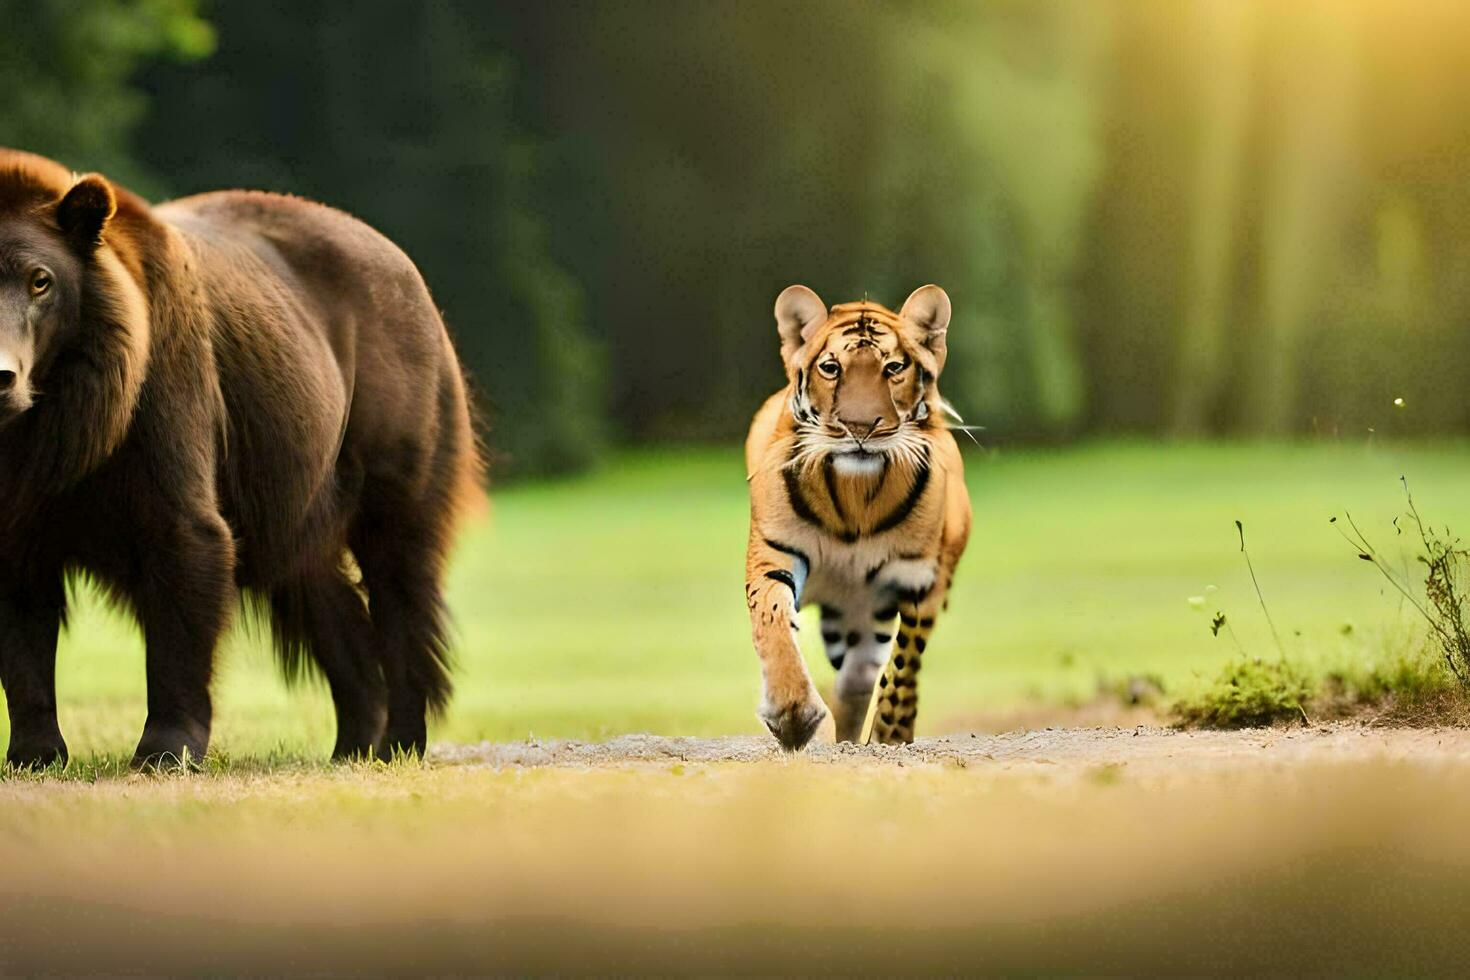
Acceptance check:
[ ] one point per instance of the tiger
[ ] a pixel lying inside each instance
(858, 504)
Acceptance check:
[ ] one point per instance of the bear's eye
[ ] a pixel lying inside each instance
(893, 367)
(40, 282)
(829, 369)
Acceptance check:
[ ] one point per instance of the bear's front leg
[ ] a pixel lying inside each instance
(184, 604)
(29, 622)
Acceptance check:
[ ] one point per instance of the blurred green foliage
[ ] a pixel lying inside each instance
(1211, 217)
(68, 73)
(403, 114)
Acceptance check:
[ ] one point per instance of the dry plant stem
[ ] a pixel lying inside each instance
(1368, 552)
(1261, 598)
(1240, 530)
(1233, 638)
(1440, 558)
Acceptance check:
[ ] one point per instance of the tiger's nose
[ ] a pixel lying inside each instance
(861, 430)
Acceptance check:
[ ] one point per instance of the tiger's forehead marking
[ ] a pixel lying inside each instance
(854, 326)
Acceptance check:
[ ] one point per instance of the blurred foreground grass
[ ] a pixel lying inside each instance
(1325, 861)
(613, 602)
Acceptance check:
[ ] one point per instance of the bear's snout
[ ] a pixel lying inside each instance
(15, 395)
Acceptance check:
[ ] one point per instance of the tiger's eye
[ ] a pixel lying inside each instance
(893, 367)
(40, 282)
(829, 368)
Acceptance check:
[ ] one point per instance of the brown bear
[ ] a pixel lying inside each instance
(234, 394)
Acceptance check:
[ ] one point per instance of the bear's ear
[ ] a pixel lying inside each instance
(799, 312)
(85, 210)
(928, 309)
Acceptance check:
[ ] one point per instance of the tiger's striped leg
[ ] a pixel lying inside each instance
(858, 637)
(790, 705)
(895, 703)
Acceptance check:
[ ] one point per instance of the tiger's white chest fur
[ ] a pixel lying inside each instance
(857, 464)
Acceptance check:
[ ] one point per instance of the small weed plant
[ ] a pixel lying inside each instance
(1446, 564)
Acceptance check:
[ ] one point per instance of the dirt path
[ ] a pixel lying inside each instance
(1148, 751)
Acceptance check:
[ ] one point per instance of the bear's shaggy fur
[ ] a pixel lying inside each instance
(232, 393)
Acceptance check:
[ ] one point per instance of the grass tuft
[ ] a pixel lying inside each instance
(1407, 687)
(1248, 693)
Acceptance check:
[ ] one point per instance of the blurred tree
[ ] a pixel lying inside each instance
(68, 69)
(403, 114)
(988, 159)
(1307, 195)
(1220, 35)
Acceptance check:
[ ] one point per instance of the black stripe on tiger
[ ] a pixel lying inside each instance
(829, 475)
(901, 513)
(784, 577)
(800, 401)
(786, 549)
(799, 504)
(802, 508)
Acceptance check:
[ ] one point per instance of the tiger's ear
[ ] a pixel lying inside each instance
(799, 312)
(927, 309)
(85, 210)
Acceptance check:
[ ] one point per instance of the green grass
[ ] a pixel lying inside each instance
(613, 602)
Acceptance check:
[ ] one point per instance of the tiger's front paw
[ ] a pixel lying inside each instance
(794, 722)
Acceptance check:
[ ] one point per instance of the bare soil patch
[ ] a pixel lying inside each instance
(1142, 749)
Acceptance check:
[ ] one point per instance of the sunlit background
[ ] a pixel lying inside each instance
(1165, 226)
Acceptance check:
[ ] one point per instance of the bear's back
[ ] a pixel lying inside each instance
(328, 347)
